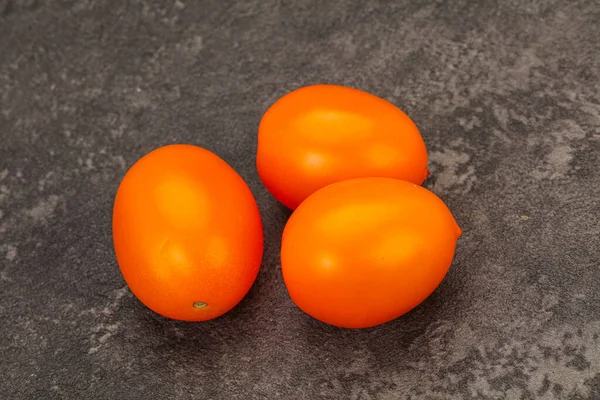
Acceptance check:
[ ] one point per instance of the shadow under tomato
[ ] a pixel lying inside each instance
(389, 346)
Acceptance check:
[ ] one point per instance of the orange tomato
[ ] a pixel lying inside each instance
(187, 233)
(362, 252)
(321, 134)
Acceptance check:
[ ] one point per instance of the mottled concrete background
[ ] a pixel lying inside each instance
(507, 95)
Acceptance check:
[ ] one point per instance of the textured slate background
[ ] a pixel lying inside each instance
(507, 97)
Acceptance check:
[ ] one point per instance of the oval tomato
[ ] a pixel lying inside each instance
(187, 233)
(362, 252)
(321, 134)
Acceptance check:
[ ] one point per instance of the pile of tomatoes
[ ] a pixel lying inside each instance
(365, 243)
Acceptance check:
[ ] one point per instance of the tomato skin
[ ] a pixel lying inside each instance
(362, 252)
(320, 134)
(187, 233)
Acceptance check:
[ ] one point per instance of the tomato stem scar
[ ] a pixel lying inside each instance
(200, 304)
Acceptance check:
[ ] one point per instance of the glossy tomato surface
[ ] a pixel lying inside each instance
(187, 233)
(362, 252)
(321, 134)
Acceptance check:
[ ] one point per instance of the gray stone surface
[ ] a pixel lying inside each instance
(507, 95)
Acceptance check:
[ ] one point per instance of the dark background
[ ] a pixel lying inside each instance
(506, 94)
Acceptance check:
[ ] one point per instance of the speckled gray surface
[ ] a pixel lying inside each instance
(507, 97)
